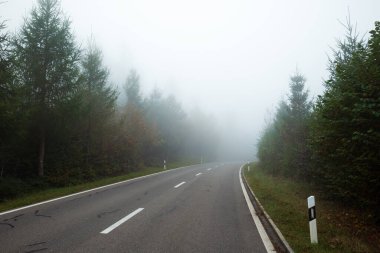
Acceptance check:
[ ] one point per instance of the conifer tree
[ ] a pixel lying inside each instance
(47, 65)
(98, 98)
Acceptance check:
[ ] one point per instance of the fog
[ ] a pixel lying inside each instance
(231, 59)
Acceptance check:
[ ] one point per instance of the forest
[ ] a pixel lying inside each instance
(63, 122)
(333, 141)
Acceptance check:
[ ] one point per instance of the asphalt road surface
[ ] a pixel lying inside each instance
(199, 208)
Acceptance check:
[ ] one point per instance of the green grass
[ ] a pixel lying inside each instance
(340, 229)
(42, 195)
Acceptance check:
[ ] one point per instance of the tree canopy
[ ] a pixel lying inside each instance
(61, 122)
(335, 141)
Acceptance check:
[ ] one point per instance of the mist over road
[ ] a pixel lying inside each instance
(199, 208)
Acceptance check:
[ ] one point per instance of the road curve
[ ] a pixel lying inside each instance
(199, 208)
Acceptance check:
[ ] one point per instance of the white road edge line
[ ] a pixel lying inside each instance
(115, 225)
(94, 189)
(178, 185)
(198, 174)
(263, 234)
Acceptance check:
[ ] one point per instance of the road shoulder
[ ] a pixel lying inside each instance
(277, 241)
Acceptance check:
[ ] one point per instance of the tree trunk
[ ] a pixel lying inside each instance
(41, 152)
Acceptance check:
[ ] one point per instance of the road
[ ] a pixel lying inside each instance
(200, 208)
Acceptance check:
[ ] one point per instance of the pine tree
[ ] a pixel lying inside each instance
(6, 89)
(137, 133)
(99, 98)
(132, 88)
(7, 93)
(47, 65)
(346, 134)
(167, 116)
(296, 152)
(283, 147)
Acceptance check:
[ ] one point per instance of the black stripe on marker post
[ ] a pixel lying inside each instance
(312, 213)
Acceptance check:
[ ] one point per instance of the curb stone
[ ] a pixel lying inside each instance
(275, 235)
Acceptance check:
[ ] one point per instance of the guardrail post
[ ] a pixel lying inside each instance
(312, 219)
(164, 164)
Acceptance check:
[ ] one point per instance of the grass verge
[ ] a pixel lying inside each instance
(42, 195)
(340, 229)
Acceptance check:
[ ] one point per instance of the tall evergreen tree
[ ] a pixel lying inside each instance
(346, 134)
(132, 88)
(167, 115)
(283, 147)
(300, 104)
(98, 97)
(7, 94)
(137, 133)
(296, 152)
(5, 76)
(47, 65)
(272, 143)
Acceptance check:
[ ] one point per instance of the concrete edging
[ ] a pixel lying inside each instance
(278, 240)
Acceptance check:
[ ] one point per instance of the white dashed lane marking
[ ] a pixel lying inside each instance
(115, 225)
(178, 185)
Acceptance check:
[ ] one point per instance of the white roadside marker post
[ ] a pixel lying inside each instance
(312, 219)
(248, 168)
(164, 164)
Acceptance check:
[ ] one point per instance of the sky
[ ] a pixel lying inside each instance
(232, 59)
